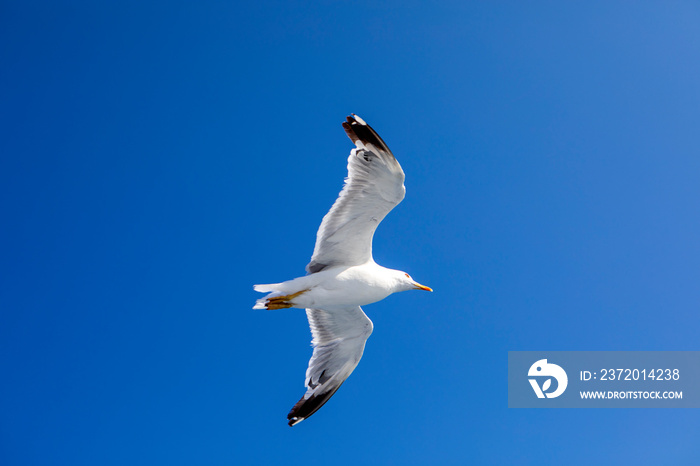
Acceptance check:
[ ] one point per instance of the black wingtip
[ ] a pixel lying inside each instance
(306, 407)
(350, 132)
(356, 129)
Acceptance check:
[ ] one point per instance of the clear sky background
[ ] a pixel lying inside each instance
(159, 158)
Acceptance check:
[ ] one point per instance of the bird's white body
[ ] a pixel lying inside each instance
(339, 288)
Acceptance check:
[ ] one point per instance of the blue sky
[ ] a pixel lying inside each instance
(159, 158)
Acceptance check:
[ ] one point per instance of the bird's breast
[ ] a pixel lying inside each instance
(351, 287)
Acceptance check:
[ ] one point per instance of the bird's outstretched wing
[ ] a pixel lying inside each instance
(373, 187)
(339, 339)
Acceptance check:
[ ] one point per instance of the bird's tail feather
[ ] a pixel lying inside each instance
(276, 299)
(270, 288)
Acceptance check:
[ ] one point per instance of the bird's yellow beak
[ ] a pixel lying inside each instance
(421, 287)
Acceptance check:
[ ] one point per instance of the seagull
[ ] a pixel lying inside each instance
(342, 275)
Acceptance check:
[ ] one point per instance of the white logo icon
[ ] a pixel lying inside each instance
(543, 369)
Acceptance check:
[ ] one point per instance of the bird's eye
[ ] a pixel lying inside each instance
(407, 275)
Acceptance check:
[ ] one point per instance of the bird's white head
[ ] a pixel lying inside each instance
(404, 282)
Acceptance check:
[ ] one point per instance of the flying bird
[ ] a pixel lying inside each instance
(342, 275)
